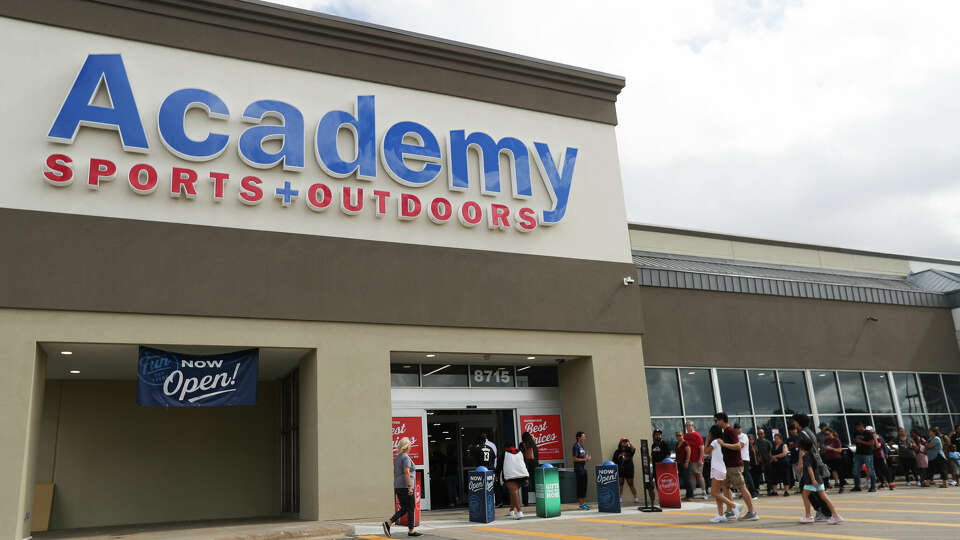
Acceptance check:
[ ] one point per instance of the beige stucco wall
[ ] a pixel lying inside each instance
(114, 462)
(744, 250)
(351, 410)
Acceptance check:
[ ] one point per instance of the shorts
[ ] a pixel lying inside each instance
(696, 468)
(734, 479)
(809, 487)
(717, 474)
(581, 475)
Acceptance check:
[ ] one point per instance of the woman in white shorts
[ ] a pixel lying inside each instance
(718, 473)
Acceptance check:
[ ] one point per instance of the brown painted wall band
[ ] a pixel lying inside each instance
(325, 44)
(83, 263)
(691, 328)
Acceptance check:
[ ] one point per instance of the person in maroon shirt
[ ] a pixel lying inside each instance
(695, 467)
(731, 446)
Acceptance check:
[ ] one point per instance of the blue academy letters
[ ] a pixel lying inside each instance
(124, 117)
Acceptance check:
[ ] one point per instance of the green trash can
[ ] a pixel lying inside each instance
(547, 482)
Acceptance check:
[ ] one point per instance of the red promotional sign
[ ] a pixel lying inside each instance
(412, 428)
(545, 429)
(668, 485)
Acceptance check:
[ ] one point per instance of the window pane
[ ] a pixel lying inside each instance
(879, 389)
(404, 375)
(908, 394)
(746, 423)
(915, 422)
(838, 424)
(664, 392)
(734, 397)
(825, 390)
(697, 391)
(537, 376)
(763, 384)
(772, 425)
(933, 393)
(852, 422)
(669, 426)
(851, 389)
(444, 376)
(794, 390)
(952, 382)
(885, 426)
(701, 425)
(491, 376)
(941, 421)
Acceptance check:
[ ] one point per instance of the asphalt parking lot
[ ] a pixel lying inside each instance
(907, 512)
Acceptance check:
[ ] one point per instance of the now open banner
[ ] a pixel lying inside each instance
(169, 379)
(546, 432)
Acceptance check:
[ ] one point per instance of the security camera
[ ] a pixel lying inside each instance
(627, 281)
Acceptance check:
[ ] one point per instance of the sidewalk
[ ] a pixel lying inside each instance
(223, 529)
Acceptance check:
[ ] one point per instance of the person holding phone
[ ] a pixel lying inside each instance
(580, 459)
(623, 457)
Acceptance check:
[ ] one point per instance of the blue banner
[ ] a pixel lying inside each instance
(480, 496)
(169, 379)
(608, 488)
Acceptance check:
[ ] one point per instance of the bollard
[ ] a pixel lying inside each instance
(548, 491)
(608, 488)
(480, 494)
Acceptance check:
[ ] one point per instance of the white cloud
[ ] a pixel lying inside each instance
(822, 122)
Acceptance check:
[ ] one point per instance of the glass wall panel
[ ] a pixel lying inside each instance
(697, 391)
(537, 376)
(663, 391)
(851, 389)
(952, 383)
(772, 424)
(669, 426)
(839, 425)
(793, 387)
(878, 389)
(916, 422)
(852, 423)
(746, 423)
(404, 375)
(444, 376)
(825, 392)
(941, 421)
(908, 393)
(766, 399)
(734, 396)
(933, 393)
(701, 425)
(885, 426)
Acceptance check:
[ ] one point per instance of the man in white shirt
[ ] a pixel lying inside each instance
(745, 455)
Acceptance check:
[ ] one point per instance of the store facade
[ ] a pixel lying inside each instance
(205, 177)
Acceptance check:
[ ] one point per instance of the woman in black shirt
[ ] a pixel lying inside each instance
(623, 457)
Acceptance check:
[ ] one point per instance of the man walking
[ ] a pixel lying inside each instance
(497, 493)
(863, 455)
(745, 456)
(764, 448)
(731, 459)
(580, 459)
(695, 469)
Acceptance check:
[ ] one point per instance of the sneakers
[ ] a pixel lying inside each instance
(731, 515)
(414, 533)
(512, 514)
(874, 490)
(786, 493)
(738, 510)
(386, 529)
(841, 489)
(584, 506)
(703, 496)
(718, 519)
(820, 517)
(856, 489)
(909, 482)
(836, 520)
(750, 516)
(807, 520)
(519, 515)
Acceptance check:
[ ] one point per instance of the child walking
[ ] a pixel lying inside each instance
(812, 482)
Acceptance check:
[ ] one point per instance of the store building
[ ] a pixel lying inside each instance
(208, 176)
(762, 329)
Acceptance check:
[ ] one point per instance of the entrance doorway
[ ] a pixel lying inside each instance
(452, 436)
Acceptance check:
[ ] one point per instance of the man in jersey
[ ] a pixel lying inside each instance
(734, 463)
(497, 495)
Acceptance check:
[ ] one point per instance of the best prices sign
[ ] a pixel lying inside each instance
(412, 428)
(545, 430)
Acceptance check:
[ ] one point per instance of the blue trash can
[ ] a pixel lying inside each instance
(480, 495)
(608, 488)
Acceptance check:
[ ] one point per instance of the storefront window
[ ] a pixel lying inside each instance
(941, 421)
(537, 376)
(766, 399)
(908, 393)
(878, 388)
(851, 389)
(697, 391)
(746, 423)
(951, 382)
(793, 387)
(669, 426)
(838, 424)
(491, 377)
(825, 392)
(916, 422)
(404, 375)
(663, 391)
(933, 393)
(444, 376)
(885, 426)
(852, 421)
(772, 425)
(735, 398)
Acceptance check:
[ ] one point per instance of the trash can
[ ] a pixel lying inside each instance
(480, 495)
(547, 480)
(608, 488)
(416, 503)
(668, 484)
(568, 485)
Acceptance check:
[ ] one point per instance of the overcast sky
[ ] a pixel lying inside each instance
(825, 122)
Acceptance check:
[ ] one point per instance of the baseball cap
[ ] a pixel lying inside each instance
(869, 428)
(658, 431)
